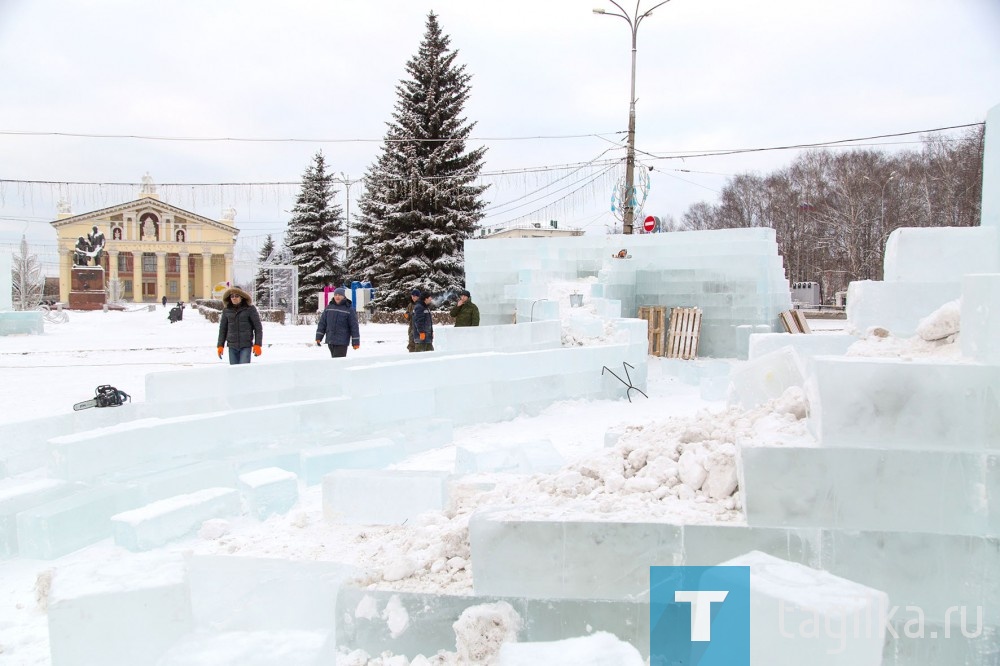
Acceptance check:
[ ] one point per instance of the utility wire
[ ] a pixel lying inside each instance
(820, 144)
(294, 140)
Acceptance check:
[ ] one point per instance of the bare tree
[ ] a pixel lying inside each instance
(833, 212)
(26, 276)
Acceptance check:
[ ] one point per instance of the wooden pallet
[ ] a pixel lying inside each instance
(794, 321)
(683, 333)
(656, 316)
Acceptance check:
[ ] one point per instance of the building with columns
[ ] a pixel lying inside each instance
(152, 249)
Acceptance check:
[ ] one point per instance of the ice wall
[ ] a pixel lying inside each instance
(6, 262)
(734, 275)
(991, 171)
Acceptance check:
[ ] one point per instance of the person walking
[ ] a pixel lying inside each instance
(339, 323)
(239, 327)
(164, 301)
(465, 312)
(423, 324)
(411, 334)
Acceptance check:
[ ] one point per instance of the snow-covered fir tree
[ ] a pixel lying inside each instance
(314, 234)
(421, 200)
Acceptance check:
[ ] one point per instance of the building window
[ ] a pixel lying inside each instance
(148, 262)
(172, 287)
(127, 287)
(123, 262)
(173, 263)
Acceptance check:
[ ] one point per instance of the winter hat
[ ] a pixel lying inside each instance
(426, 295)
(415, 292)
(340, 291)
(465, 292)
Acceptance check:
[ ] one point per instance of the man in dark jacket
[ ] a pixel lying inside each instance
(339, 322)
(239, 326)
(410, 335)
(465, 312)
(423, 324)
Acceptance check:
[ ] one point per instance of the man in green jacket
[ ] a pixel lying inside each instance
(465, 311)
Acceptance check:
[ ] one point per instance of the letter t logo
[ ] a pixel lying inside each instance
(701, 610)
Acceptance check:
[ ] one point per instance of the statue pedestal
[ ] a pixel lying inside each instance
(87, 288)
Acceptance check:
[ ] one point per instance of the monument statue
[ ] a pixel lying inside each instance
(147, 187)
(81, 253)
(91, 247)
(97, 242)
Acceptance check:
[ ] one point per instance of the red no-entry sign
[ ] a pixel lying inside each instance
(649, 223)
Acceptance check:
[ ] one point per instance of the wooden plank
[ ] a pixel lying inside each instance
(655, 317)
(788, 321)
(675, 328)
(660, 319)
(697, 333)
(800, 319)
(688, 333)
(684, 333)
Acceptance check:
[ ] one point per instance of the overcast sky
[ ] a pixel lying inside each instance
(711, 74)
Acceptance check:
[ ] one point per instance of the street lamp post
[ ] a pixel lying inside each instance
(628, 199)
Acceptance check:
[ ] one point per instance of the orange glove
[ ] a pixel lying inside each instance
(423, 336)
(219, 349)
(356, 346)
(256, 350)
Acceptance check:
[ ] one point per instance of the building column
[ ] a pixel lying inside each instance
(65, 273)
(185, 283)
(161, 275)
(206, 275)
(136, 277)
(229, 269)
(114, 287)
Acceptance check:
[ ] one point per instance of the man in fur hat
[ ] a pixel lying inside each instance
(239, 326)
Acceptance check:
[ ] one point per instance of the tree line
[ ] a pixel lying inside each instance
(833, 212)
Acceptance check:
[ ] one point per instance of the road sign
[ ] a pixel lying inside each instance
(650, 223)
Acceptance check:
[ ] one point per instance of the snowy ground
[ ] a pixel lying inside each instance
(667, 438)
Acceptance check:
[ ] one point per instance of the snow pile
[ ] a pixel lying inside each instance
(482, 630)
(681, 470)
(487, 635)
(941, 324)
(936, 338)
(570, 317)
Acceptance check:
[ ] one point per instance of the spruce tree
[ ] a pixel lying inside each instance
(261, 284)
(421, 200)
(314, 233)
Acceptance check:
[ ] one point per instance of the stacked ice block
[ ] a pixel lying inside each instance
(735, 276)
(199, 429)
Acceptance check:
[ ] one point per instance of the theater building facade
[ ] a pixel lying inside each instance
(151, 249)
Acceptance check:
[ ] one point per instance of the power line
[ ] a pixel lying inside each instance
(597, 135)
(820, 144)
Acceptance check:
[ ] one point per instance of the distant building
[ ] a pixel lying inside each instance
(152, 249)
(533, 230)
